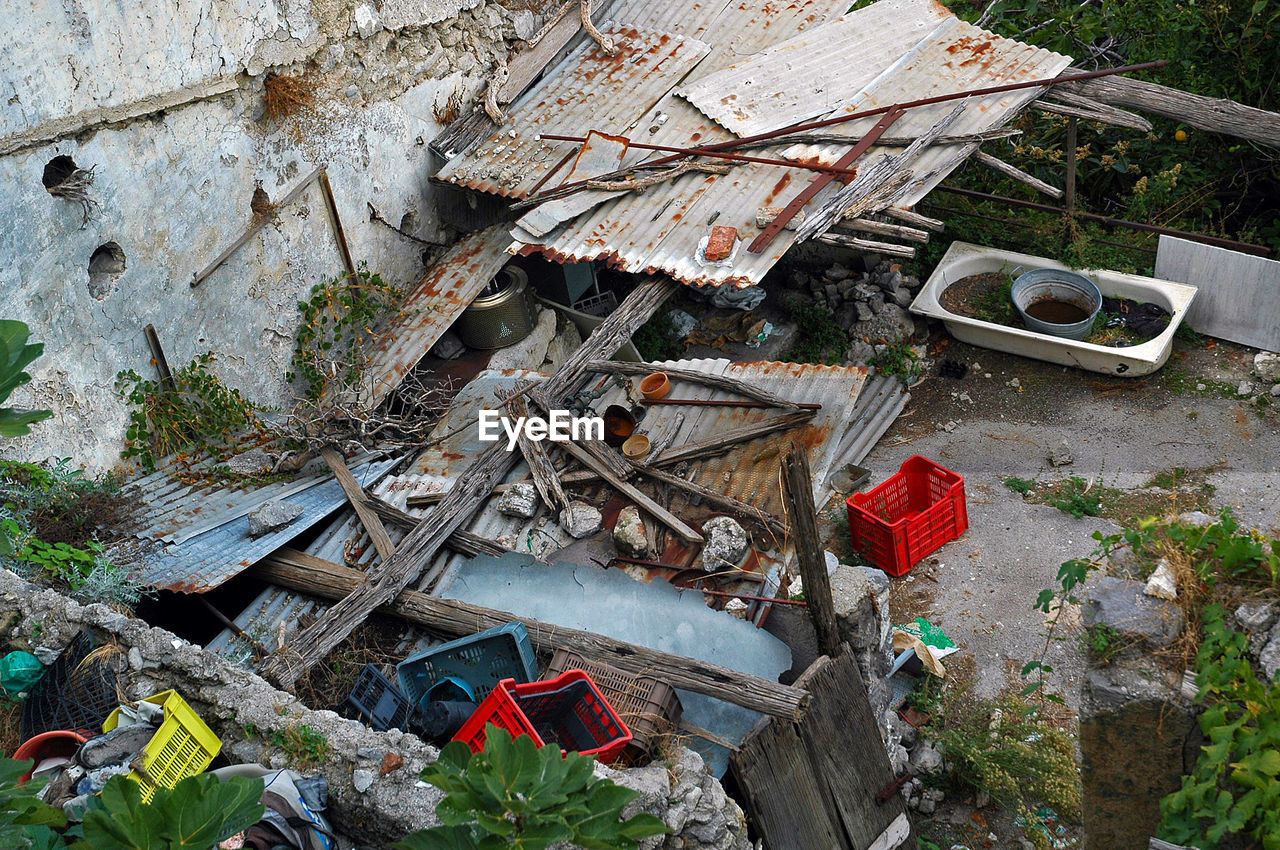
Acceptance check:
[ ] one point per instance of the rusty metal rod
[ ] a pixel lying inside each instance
(1014, 223)
(705, 150)
(1116, 222)
(748, 598)
(736, 157)
(707, 402)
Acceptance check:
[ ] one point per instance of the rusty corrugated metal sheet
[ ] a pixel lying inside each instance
(428, 310)
(588, 91)
(813, 73)
(659, 231)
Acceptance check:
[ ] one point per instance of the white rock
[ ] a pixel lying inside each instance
(362, 779)
(520, 501)
(272, 515)
(1275, 391)
(1244, 389)
(736, 608)
(726, 544)
(1266, 365)
(580, 519)
(368, 22)
(1060, 455)
(1162, 583)
(629, 534)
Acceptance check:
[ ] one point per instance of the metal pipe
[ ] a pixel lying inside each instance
(157, 354)
(684, 152)
(1014, 223)
(1247, 248)
(706, 402)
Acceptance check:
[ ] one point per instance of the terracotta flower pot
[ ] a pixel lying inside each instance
(655, 386)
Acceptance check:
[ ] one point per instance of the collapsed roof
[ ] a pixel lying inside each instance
(695, 75)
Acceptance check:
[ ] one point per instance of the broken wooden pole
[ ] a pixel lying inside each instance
(461, 541)
(450, 617)
(857, 244)
(544, 472)
(355, 495)
(720, 382)
(387, 578)
(915, 218)
(1069, 201)
(1015, 173)
(797, 491)
(881, 228)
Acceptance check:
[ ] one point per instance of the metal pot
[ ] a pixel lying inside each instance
(502, 315)
(1069, 291)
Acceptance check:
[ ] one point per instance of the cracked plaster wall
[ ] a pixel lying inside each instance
(173, 188)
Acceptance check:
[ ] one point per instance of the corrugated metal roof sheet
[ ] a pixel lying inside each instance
(428, 310)
(588, 91)
(205, 560)
(660, 230)
(822, 68)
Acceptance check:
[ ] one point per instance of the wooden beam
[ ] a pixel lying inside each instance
(544, 472)
(461, 541)
(910, 217)
(881, 228)
(1069, 201)
(866, 245)
(355, 495)
(719, 382)
(1091, 110)
(1015, 173)
(315, 576)
(388, 577)
(797, 491)
(1204, 113)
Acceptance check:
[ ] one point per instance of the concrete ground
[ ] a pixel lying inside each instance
(982, 587)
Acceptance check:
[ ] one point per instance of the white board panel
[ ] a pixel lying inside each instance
(1239, 297)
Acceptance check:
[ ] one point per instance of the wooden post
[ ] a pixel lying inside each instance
(544, 471)
(797, 490)
(327, 580)
(1069, 200)
(384, 581)
(355, 495)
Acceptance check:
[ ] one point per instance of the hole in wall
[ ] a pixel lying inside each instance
(57, 171)
(105, 265)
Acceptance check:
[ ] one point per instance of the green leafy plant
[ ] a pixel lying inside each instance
(305, 745)
(1077, 499)
(898, 359)
(995, 304)
(195, 814)
(1021, 486)
(819, 337)
(16, 354)
(195, 414)
(515, 794)
(24, 819)
(1102, 643)
(341, 316)
(656, 339)
(1234, 789)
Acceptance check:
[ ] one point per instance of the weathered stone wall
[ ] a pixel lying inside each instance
(364, 802)
(125, 88)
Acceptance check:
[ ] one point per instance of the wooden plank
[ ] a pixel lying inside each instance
(866, 245)
(842, 738)
(783, 795)
(544, 472)
(461, 541)
(1091, 110)
(1016, 173)
(881, 228)
(1204, 113)
(797, 494)
(327, 580)
(720, 500)
(384, 581)
(915, 218)
(719, 382)
(894, 834)
(1237, 298)
(356, 496)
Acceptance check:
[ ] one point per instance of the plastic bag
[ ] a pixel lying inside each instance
(19, 671)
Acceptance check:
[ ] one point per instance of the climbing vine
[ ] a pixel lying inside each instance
(195, 414)
(337, 320)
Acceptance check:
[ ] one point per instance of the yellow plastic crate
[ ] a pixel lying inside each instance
(183, 746)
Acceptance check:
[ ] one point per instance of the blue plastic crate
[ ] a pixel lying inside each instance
(481, 660)
(378, 702)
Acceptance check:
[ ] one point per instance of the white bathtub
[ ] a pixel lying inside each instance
(963, 259)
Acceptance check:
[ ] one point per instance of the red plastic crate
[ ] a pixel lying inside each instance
(909, 515)
(568, 710)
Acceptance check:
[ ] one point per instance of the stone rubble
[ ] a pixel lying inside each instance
(869, 303)
(271, 515)
(726, 545)
(521, 500)
(629, 534)
(580, 519)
